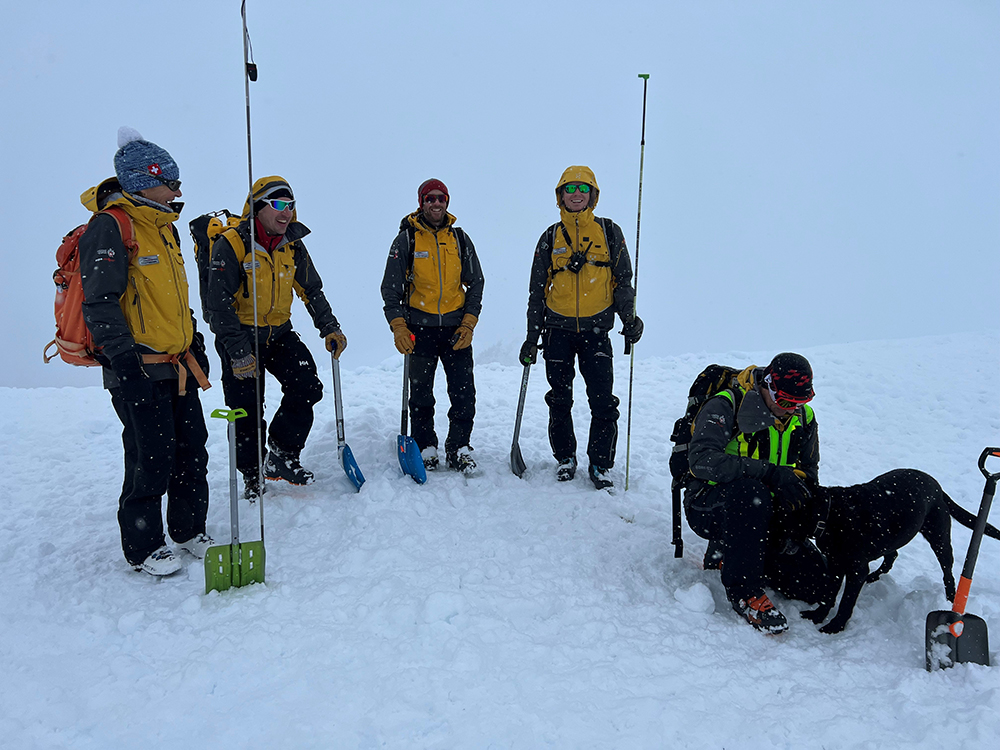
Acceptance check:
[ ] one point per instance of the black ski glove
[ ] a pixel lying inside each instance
(133, 382)
(632, 331)
(529, 352)
(787, 486)
(198, 350)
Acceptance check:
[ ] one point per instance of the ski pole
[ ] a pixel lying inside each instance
(250, 74)
(635, 280)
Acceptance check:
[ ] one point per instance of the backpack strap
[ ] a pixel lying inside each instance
(239, 246)
(125, 228)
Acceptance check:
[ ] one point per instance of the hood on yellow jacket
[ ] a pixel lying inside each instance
(97, 197)
(578, 174)
(263, 187)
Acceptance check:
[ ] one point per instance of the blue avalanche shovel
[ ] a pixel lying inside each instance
(351, 467)
(234, 564)
(407, 451)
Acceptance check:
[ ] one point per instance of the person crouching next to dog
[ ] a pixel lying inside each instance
(282, 265)
(754, 449)
(136, 307)
(432, 291)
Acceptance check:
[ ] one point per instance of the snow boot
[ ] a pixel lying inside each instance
(251, 487)
(461, 460)
(566, 469)
(601, 477)
(285, 467)
(162, 562)
(197, 545)
(430, 457)
(759, 612)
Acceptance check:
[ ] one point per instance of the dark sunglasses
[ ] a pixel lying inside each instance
(280, 204)
(174, 185)
(435, 199)
(573, 188)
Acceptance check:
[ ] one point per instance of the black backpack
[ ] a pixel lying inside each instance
(204, 230)
(712, 380)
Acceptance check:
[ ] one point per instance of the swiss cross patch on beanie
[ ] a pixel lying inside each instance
(138, 162)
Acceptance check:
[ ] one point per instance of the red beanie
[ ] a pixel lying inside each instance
(427, 186)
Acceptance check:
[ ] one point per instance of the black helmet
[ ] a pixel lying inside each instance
(790, 378)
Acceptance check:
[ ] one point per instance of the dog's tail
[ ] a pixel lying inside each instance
(965, 518)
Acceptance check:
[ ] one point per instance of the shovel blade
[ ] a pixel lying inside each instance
(517, 464)
(351, 467)
(410, 460)
(218, 568)
(956, 639)
(227, 566)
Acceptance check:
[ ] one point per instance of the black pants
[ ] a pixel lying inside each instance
(593, 350)
(292, 365)
(430, 345)
(756, 546)
(164, 444)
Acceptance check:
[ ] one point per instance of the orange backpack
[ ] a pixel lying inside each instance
(73, 341)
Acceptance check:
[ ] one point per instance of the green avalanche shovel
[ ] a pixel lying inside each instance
(234, 564)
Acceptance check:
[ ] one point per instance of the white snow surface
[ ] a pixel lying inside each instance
(491, 611)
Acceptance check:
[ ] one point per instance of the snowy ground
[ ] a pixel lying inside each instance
(488, 612)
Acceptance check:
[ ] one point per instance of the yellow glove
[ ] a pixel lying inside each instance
(404, 339)
(464, 332)
(336, 342)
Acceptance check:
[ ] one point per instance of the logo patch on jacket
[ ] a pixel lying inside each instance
(149, 260)
(251, 264)
(422, 254)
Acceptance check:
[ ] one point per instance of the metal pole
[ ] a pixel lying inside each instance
(250, 74)
(635, 280)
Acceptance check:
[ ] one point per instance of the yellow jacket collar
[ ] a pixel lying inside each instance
(416, 221)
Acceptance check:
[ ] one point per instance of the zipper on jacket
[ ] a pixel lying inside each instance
(137, 304)
(437, 244)
(177, 288)
(576, 221)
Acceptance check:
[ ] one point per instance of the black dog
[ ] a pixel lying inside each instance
(873, 520)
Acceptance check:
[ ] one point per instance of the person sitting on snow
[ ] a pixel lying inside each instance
(753, 449)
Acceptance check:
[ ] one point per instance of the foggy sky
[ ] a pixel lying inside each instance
(814, 172)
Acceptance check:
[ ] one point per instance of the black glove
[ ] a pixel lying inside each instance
(787, 486)
(198, 350)
(529, 352)
(632, 331)
(133, 382)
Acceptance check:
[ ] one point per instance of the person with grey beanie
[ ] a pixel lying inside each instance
(136, 307)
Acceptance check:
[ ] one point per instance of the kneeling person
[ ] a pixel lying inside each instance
(753, 448)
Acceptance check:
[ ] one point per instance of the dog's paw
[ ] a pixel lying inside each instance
(833, 627)
(815, 615)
